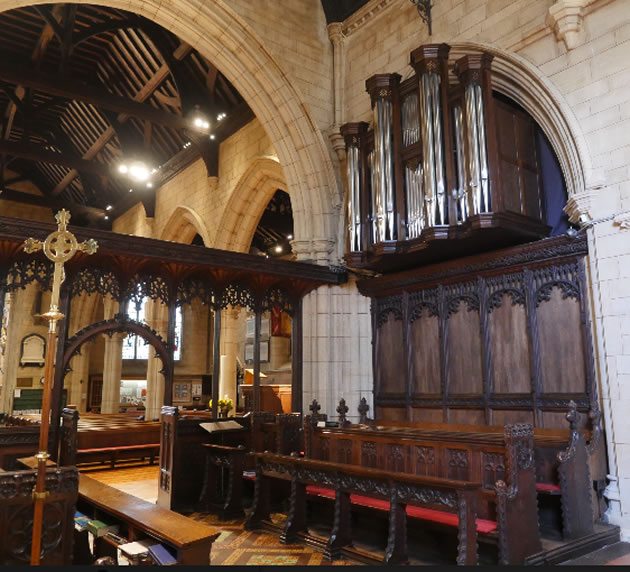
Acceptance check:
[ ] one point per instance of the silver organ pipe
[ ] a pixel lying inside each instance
(459, 194)
(479, 195)
(374, 197)
(383, 170)
(354, 197)
(414, 195)
(432, 150)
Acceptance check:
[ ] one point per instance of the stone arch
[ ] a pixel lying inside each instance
(514, 76)
(225, 38)
(247, 202)
(183, 225)
(73, 346)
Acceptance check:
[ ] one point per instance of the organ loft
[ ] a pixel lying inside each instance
(300, 283)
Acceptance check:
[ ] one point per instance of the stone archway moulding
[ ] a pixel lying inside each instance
(247, 202)
(183, 225)
(523, 82)
(222, 36)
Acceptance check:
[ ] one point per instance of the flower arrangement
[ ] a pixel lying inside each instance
(225, 405)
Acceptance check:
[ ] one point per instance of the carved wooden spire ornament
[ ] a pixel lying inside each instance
(59, 246)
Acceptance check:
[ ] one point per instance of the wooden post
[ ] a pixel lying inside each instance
(256, 387)
(297, 379)
(216, 361)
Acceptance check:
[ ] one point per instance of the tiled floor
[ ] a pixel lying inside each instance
(237, 546)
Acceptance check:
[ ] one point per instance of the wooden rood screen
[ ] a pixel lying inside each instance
(492, 339)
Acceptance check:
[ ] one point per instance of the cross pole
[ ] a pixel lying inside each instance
(59, 246)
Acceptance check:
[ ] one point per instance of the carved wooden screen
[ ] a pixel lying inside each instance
(493, 339)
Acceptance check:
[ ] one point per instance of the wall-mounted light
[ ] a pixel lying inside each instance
(424, 9)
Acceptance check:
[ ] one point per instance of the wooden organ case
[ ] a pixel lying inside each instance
(437, 177)
(478, 317)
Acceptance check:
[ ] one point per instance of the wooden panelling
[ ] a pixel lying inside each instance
(561, 344)
(510, 347)
(424, 343)
(464, 360)
(494, 340)
(390, 359)
(427, 415)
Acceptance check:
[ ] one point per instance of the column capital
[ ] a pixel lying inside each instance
(428, 58)
(580, 207)
(335, 33)
(382, 85)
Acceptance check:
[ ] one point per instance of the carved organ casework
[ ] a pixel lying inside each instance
(434, 176)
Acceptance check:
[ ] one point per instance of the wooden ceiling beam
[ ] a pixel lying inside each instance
(49, 202)
(160, 75)
(76, 91)
(39, 154)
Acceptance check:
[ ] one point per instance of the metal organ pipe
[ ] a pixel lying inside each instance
(383, 170)
(432, 150)
(479, 195)
(459, 194)
(354, 197)
(414, 195)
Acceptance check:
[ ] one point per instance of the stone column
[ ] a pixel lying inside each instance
(11, 355)
(229, 351)
(157, 318)
(112, 372)
(335, 33)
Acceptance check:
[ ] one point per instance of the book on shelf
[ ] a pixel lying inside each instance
(100, 528)
(162, 555)
(132, 553)
(80, 521)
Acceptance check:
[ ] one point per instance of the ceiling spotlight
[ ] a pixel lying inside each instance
(106, 217)
(266, 256)
(131, 190)
(278, 248)
(109, 207)
(198, 120)
(290, 236)
(211, 136)
(123, 169)
(149, 185)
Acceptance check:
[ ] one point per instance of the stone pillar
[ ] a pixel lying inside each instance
(335, 33)
(10, 356)
(112, 372)
(157, 318)
(229, 351)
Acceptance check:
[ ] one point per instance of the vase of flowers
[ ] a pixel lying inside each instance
(225, 406)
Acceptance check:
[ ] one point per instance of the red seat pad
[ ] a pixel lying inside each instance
(483, 526)
(547, 487)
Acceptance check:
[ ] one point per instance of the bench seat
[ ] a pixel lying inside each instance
(547, 488)
(483, 526)
(120, 452)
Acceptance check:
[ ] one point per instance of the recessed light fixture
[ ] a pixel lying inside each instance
(106, 217)
(149, 185)
(109, 207)
(131, 190)
(211, 136)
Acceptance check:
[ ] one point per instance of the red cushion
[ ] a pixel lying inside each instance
(483, 525)
(320, 491)
(547, 487)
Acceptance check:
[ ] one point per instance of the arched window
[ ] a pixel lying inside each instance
(135, 347)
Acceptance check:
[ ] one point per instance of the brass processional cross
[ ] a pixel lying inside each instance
(59, 246)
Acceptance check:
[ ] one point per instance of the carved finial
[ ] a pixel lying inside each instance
(314, 407)
(573, 417)
(363, 409)
(62, 218)
(342, 409)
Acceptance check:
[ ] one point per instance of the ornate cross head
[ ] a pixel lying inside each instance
(342, 409)
(314, 407)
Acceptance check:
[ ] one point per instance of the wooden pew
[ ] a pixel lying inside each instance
(191, 540)
(398, 490)
(561, 458)
(451, 452)
(219, 457)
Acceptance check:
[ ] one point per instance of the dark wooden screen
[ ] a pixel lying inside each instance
(493, 339)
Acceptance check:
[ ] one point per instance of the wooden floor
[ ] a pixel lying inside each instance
(237, 546)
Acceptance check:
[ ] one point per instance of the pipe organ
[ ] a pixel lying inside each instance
(426, 179)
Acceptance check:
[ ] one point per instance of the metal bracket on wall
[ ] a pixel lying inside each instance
(424, 9)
